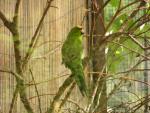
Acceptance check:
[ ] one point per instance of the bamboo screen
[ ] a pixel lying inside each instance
(46, 60)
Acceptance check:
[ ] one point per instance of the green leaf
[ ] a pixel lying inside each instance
(118, 22)
(114, 57)
(114, 3)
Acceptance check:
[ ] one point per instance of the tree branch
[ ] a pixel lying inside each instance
(20, 87)
(6, 22)
(34, 37)
(15, 18)
(37, 92)
(55, 103)
(15, 94)
(12, 73)
(67, 95)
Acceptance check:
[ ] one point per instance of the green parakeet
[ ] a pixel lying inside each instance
(72, 51)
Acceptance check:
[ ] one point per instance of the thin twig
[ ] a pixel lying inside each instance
(143, 32)
(116, 87)
(132, 68)
(34, 38)
(76, 104)
(95, 92)
(45, 81)
(37, 92)
(41, 95)
(136, 41)
(15, 95)
(12, 73)
(145, 57)
(132, 15)
(115, 15)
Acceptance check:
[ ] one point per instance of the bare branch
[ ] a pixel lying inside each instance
(145, 57)
(15, 95)
(6, 22)
(55, 103)
(114, 17)
(12, 73)
(37, 92)
(136, 41)
(35, 38)
(15, 19)
(67, 95)
(132, 15)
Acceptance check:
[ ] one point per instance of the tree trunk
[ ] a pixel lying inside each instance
(99, 61)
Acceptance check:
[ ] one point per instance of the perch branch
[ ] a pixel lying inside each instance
(67, 95)
(55, 103)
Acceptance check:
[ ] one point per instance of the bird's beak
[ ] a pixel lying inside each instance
(82, 32)
(79, 26)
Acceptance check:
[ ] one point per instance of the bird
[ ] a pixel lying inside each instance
(72, 50)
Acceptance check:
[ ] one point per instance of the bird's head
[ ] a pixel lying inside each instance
(78, 30)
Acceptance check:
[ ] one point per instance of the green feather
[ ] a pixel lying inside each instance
(72, 51)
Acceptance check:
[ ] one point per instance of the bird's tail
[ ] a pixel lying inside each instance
(80, 81)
